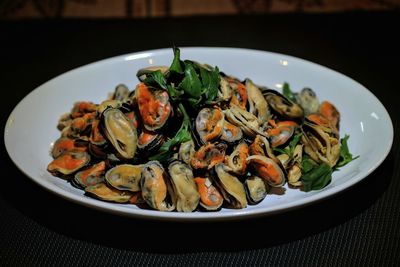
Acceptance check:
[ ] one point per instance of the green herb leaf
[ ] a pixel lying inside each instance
(156, 79)
(287, 92)
(173, 92)
(345, 155)
(183, 135)
(307, 163)
(177, 65)
(210, 81)
(317, 178)
(191, 83)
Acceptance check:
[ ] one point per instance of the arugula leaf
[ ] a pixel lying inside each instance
(191, 84)
(345, 155)
(317, 178)
(210, 81)
(287, 92)
(156, 79)
(307, 163)
(173, 92)
(166, 150)
(177, 65)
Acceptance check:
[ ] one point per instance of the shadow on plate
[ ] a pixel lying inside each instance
(89, 225)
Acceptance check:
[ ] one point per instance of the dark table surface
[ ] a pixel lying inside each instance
(357, 226)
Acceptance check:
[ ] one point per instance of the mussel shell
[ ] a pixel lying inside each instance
(156, 188)
(91, 175)
(237, 160)
(65, 144)
(258, 104)
(125, 177)
(207, 156)
(281, 105)
(68, 163)
(187, 197)
(231, 188)
(256, 189)
(149, 141)
(107, 193)
(120, 132)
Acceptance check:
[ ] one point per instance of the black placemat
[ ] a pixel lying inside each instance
(357, 226)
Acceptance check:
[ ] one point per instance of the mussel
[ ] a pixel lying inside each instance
(209, 124)
(156, 188)
(125, 177)
(81, 108)
(121, 93)
(308, 100)
(321, 143)
(231, 188)
(279, 133)
(258, 104)
(256, 189)
(64, 144)
(210, 197)
(267, 169)
(149, 141)
(231, 133)
(154, 106)
(187, 197)
(91, 175)
(237, 160)
(120, 132)
(248, 122)
(209, 155)
(186, 151)
(330, 112)
(106, 193)
(68, 163)
(142, 73)
(281, 105)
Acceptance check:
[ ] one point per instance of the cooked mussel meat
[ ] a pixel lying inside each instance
(210, 197)
(156, 188)
(120, 132)
(125, 177)
(231, 188)
(187, 197)
(154, 106)
(258, 104)
(231, 133)
(64, 144)
(91, 175)
(186, 151)
(209, 124)
(267, 169)
(209, 155)
(308, 101)
(237, 160)
(68, 163)
(256, 189)
(107, 193)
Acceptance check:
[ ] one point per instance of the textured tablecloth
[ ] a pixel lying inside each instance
(359, 226)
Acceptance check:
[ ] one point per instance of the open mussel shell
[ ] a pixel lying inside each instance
(96, 136)
(256, 189)
(120, 132)
(91, 175)
(231, 188)
(154, 106)
(210, 198)
(125, 177)
(330, 112)
(107, 193)
(68, 163)
(187, 196)
(209, 124)
(281, 133)
(267, 169)
(247, 121)
(283, 106)
(157, 190)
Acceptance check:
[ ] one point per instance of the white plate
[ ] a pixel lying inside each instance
(31, 127)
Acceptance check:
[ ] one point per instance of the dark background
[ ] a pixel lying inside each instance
(357, 226)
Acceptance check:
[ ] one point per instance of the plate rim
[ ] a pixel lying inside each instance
(198, 216)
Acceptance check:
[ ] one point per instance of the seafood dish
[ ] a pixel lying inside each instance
(189, 137)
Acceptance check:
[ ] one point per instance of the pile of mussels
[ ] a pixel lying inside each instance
(150, 147)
